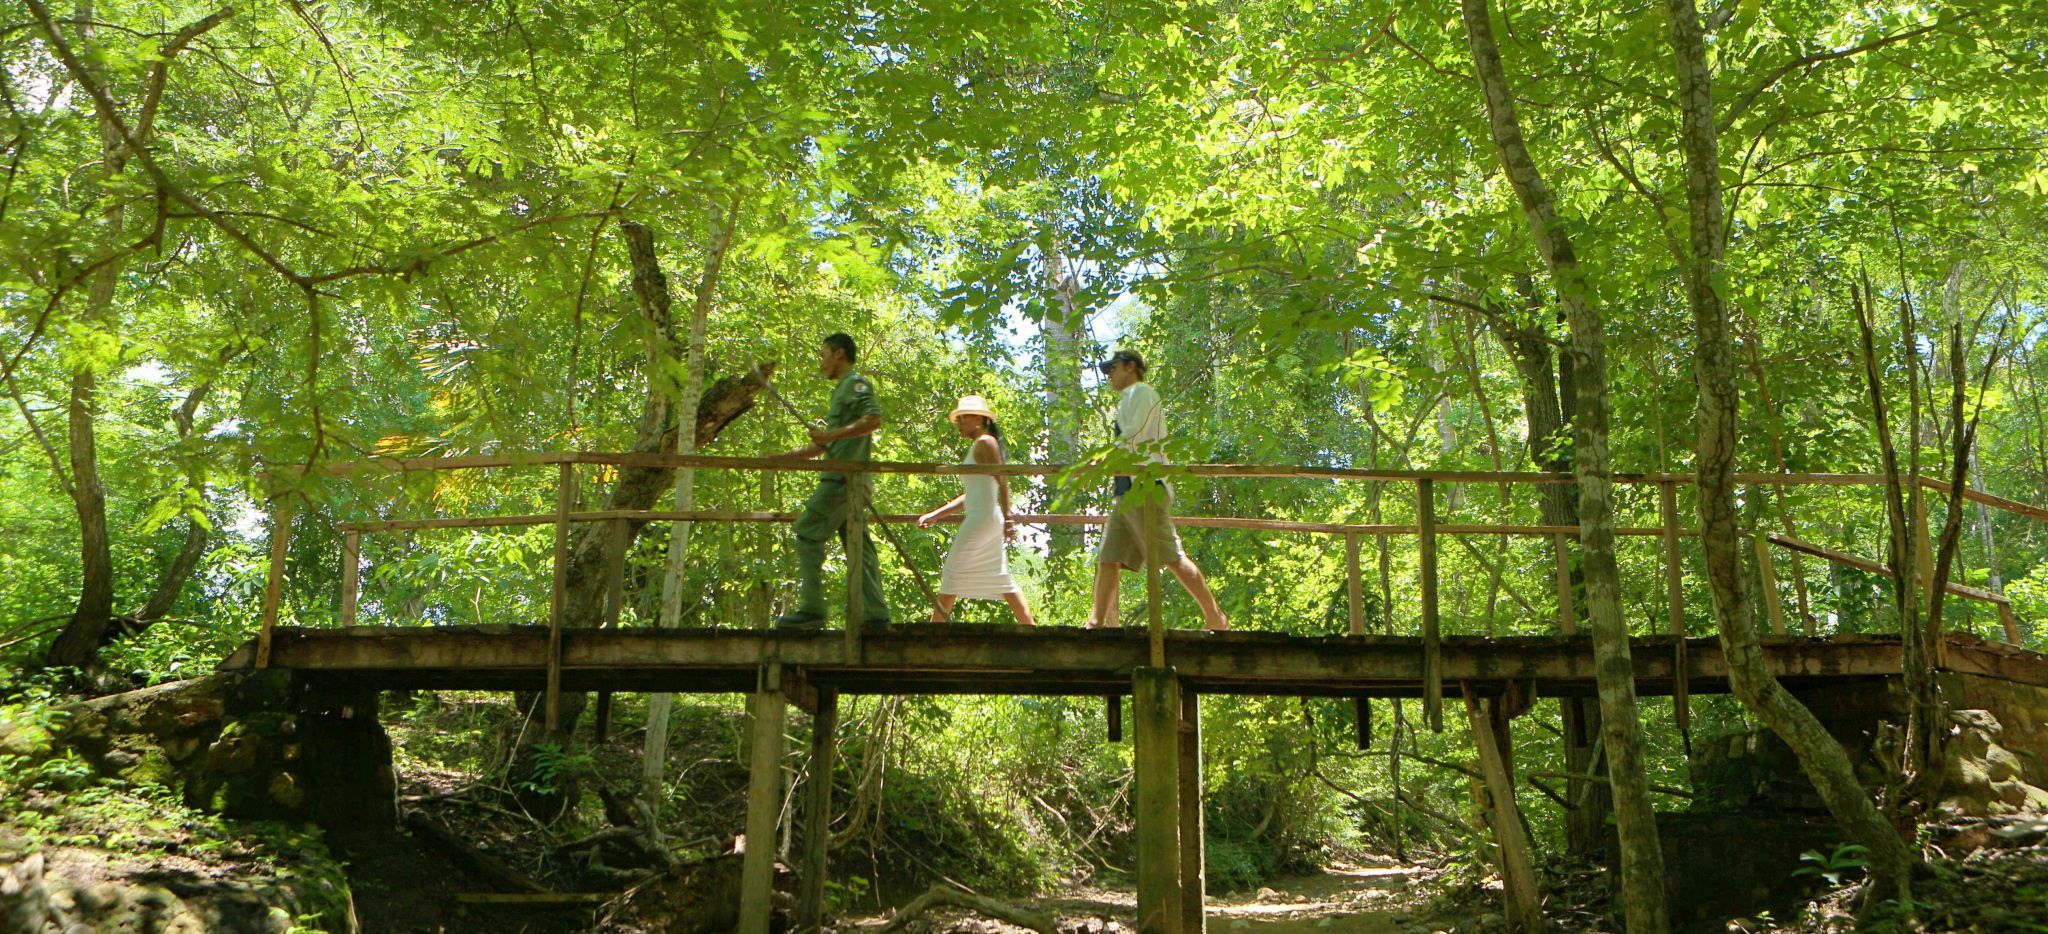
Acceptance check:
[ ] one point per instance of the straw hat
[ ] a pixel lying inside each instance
(971, 404)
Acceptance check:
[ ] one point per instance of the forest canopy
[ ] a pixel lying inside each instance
(245, 242)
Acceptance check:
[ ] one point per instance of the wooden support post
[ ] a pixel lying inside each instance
(1155, 701)
(1354, 588)
(1363, 706)
(273, 576)
(1674, 606)
(2011, 624)
(1193, 882)
(1113, 710)
(1518, 876)
(565, 500)
(1766, 570)
(765, 710)
(856, 533)
(1567, 604)
(817, 822)
(351, 576)
(1432, 644)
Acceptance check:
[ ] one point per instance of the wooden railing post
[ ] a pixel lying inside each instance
(1155, 612)
(1767, 571)
(615, 580)
(273, 578)
(1354, 588)
(351, 576)
(1567, 605)
(1432, 644)
(1674, 603)
(565, 499)
(856, 556)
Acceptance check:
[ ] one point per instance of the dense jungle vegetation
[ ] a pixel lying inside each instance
(1805, 237)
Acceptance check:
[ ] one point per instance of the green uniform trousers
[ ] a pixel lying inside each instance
(824, 516)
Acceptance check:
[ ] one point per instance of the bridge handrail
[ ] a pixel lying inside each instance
(1426, 527)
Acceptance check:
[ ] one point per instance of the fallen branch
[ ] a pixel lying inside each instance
(1569, 776)
(471, 858)
(1550, 793)
(940, 896)
(533, 898)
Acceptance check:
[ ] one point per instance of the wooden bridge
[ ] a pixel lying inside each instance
(1164, 671)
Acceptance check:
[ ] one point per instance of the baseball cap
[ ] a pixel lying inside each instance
(1121, 356)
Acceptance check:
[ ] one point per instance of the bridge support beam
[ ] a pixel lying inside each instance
(765, 713)
(1193, 884)
(1156, 706)
(1490, 737)
(817, 819)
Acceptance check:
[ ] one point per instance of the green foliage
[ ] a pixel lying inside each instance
(1836, 866)
(554, 768)
(390, 227)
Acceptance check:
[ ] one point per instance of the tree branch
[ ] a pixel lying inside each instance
(1742, 104)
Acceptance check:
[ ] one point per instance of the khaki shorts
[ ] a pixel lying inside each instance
(1125, 538)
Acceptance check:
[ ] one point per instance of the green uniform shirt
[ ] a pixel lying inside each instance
(852, 399)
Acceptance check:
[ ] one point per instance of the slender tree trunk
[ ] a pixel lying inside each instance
(1642, 860)
(1545, 387)
(718, 236)
(172, 583)
(1063, 330)
(1824, 760)
(79, 644)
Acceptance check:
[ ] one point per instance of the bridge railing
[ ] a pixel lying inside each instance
(1425, 529)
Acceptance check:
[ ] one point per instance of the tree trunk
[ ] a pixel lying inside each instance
(1544, 390)
(593, 549)
(172, 583)
(1063, 329)
(1642, 860)
(1823, 759)
(78, 646)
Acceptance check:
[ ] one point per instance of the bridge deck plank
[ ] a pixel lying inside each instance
(977, 659)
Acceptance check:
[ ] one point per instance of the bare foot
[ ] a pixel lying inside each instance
(1091, 624)
(1219, 624)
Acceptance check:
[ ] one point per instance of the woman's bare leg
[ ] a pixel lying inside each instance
(943, 613)
(1018, 608)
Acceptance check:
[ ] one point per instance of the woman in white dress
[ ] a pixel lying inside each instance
(978, 567)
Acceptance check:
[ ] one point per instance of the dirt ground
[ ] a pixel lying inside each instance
(1369, 897)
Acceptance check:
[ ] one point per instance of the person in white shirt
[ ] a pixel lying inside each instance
(1139, 520)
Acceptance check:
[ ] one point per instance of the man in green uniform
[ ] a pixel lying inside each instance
(850, 424)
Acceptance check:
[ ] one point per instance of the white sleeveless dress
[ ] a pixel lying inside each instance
(978, 567)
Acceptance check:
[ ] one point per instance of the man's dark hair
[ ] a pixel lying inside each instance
(844, 342)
